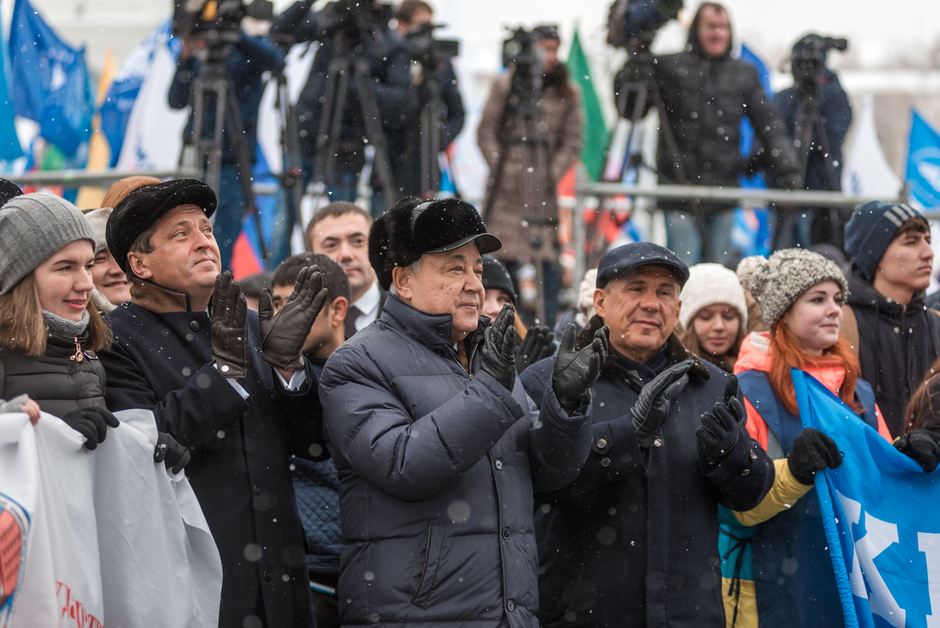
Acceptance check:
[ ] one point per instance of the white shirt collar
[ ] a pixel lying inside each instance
(368, 304)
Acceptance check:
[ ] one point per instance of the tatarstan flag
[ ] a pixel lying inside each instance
(595, 129)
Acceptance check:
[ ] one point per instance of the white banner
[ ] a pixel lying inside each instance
(103, 537)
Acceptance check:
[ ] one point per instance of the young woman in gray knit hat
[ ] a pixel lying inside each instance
(801, 294)
(49, 329)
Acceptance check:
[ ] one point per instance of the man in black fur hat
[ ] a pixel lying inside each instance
(229, 384)
(437, 447)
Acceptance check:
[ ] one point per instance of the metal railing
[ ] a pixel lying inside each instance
(786, 201)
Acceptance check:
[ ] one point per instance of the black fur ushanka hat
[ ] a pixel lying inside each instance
(414, 227)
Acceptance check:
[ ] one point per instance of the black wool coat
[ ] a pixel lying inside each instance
(241, 448)
(633, 541)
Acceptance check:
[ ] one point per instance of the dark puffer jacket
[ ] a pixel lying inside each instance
(56, 380)
(897, 345)
(705, 100)
(633, 542)
(316, 488)
(437, 467)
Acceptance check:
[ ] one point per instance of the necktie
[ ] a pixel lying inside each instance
(352, 314)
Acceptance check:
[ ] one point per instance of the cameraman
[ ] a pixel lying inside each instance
(247, 60)
(813, 80)
(501, 130)
(706, 93)
(371, 39)
(411, 17)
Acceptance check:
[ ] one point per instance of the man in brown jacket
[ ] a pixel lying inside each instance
(519, 201)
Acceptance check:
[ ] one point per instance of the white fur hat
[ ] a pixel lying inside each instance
(710, 284)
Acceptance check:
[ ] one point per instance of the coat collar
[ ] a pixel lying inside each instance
(428, 329)
(675, 350)
(156, 298)
(862, 294)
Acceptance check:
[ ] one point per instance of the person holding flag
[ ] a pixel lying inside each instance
(801, 294)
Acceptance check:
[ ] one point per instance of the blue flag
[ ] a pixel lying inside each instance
(923, 162)
(881, 514)
(52, 81)
(121, 96)
(10, 148)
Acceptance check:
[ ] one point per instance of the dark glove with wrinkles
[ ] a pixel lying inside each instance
(537, 345)
(812, 451)
(922, 446)
(92, 423)
(170, 452)
(283, 334)
(652, 406)
(497, 355)
(574, 372)
(229, 312)
(721, 427)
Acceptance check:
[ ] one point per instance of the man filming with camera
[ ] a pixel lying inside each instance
(359, 29)
(530, 134)
(245, 59)
(436, 84)
(705, 93)
(817, 113)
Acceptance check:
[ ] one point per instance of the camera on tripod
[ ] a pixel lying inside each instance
(353, 18)
(216, 21)
(809, 58)
(632, 24)
(519, 50)
(427, 50)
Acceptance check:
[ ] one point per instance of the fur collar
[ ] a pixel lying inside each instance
(675, 350)
(155, 298)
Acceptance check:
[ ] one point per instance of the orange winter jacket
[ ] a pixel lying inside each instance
(755, 355)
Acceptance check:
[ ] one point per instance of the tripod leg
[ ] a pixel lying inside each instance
(370, 114)
(245, 169)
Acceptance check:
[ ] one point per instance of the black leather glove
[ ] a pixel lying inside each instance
(812, 451)
(721, 427)
(922, 446)
(537, 345)
(92, 423)
(652, 406)
(497, 355)
(283, 334)
(229, 312)
(574, 372)
(170, 452)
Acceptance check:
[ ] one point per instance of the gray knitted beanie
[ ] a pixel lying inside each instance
(777, 282)
(32, 228)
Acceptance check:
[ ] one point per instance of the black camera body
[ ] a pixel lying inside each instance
(216, 21)
(809, 58)
(519, 50)
(353, 18)
(428, 51)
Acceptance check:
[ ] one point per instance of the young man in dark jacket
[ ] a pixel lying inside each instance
(437, 446)
(228, 384)
(706, 94)
(897, 338)
(633, 541)
(315, 483)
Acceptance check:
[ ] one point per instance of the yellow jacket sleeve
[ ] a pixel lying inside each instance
(785, 491)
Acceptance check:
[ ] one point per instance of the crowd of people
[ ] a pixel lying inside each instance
(376, 436)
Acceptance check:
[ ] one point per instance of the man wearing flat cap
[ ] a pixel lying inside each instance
(633, 541)
(437, 447)
(229, 384)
